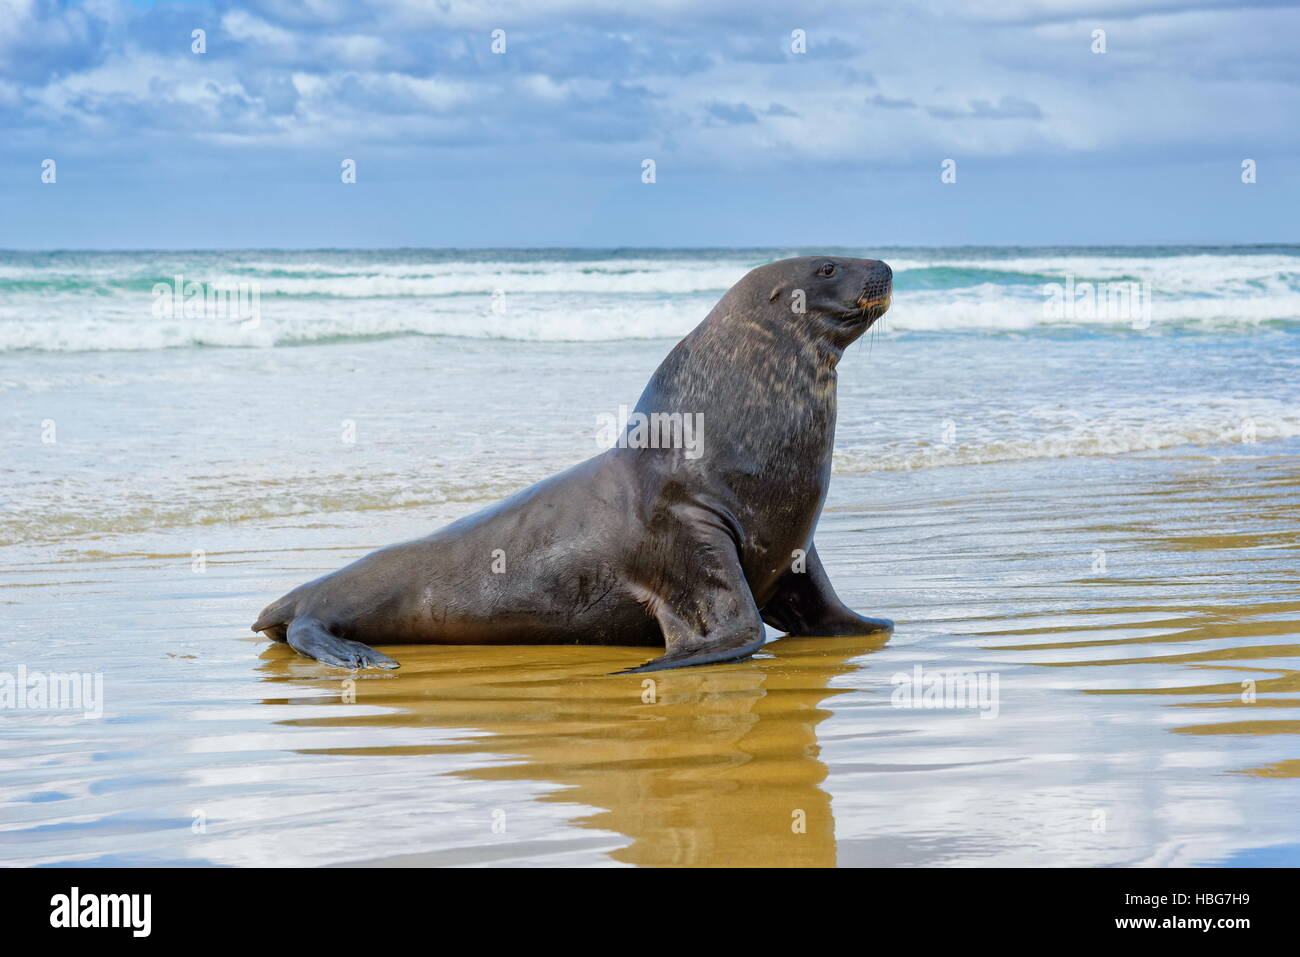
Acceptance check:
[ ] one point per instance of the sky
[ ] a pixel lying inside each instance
(757, 138)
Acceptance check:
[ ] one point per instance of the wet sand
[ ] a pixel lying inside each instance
(1121, 736)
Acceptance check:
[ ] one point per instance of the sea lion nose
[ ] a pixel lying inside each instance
(883, 272)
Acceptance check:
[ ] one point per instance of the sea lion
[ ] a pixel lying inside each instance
(644, 545)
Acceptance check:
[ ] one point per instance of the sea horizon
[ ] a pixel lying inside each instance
(435, 247)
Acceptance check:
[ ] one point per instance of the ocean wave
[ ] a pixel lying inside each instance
(994, 308)
(91, 514)
(103, 302)
(304, 325)
(380, 280)
(1199, 274)
(84, 506)
(1230, 424)
(612, 320)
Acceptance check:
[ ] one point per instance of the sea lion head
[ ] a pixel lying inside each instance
(835, 298)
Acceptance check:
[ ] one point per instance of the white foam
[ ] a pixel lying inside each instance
(557, 299)
(994, 308)
(1222, 422)
(301, 323)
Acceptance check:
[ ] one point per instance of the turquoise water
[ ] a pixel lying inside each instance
(82, 301)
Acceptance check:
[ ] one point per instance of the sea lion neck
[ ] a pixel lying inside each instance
(770, 391)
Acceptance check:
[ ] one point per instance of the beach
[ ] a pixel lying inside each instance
(1092, 517)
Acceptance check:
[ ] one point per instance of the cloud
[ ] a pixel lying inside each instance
(731, 113)
(886, 103)
(588, 81)
(41, 39)
(1007, 108)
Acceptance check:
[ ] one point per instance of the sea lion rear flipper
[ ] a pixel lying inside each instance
(708, 615)
(805, 603)
(310, 637)
(275, 617)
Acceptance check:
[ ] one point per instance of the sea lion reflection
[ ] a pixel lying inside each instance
(714, 766)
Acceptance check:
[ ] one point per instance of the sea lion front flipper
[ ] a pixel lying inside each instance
(805, 603)
(707, 613)
(710, 652)
(310, 637)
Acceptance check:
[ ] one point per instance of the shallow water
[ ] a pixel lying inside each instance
(1120, 735)
(1070, 511)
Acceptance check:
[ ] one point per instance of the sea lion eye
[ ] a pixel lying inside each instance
(828, 269)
